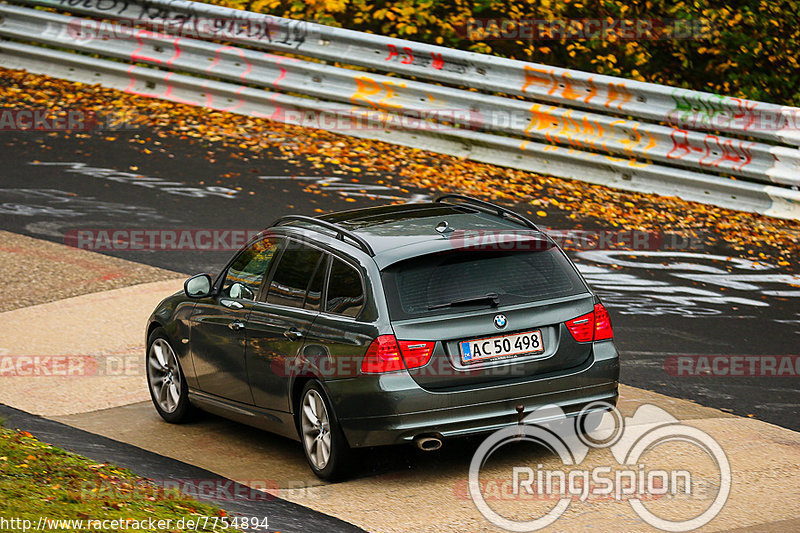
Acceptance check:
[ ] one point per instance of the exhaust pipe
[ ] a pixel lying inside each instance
(428, 443)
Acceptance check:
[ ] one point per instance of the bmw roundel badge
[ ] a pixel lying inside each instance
(500, 321)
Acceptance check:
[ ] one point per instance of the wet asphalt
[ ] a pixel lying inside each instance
(691, 320)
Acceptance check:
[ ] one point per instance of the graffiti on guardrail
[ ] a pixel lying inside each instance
(407, 56)
(558, 82)
(229, 29)
(570, 143)
(246, 26)
(713, 153)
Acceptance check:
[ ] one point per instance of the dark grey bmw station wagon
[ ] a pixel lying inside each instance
(386, 325)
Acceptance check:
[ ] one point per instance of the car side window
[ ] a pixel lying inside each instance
(345, 291)
(293, 275)
(245, 274)
(314, 296)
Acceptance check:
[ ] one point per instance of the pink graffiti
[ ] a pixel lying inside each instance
(728, 153)
(745, 111)
(736, 156)
(278, 114)
(169, 96)
(238, 51)
(681, 145)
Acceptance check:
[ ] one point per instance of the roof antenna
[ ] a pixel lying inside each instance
(444, 229)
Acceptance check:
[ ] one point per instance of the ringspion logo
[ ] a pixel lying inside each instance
(637, 477)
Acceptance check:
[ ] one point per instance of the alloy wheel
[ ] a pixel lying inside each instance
(316, 429)
(165, 375)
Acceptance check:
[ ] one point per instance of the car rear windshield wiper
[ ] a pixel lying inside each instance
(491, 298)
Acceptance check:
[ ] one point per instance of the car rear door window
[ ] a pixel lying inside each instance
(345, 290)
(245, 274)
(314, 295)
(292, 277)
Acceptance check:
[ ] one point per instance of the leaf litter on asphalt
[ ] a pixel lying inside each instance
(757, 237)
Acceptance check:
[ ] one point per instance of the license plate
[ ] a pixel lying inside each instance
(529, 342)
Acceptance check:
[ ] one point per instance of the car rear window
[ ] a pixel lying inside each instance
(415, 285)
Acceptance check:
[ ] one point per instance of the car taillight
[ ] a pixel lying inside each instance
(591, 326)
(416, 353)
(383, 355)
(582, 328)
(386, 354)
(602, 324)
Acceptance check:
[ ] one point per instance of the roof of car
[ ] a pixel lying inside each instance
(398, 232)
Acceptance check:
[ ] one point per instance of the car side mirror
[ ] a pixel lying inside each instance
(198, 286)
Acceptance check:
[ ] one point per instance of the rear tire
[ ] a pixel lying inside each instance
(166, 380)
(323, 441)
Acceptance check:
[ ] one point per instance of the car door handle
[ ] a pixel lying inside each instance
(293, 334)
(236, 325)
(233, 304)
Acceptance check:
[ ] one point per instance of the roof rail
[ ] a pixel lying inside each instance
(501, 212)
(341, 233)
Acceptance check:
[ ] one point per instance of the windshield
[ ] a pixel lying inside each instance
(438, 283)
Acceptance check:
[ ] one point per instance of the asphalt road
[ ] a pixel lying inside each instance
(671, 304)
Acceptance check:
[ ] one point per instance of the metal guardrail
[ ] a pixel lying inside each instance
(601, 148)
(571, 128)
(541, 82)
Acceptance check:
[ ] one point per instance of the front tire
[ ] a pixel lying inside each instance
(165, 379)
(324, 444)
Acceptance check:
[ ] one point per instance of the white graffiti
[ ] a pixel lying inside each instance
(129, 178)
(366, 190)
(28, 210)
(36, 202)
(794, 321)
(631, 294)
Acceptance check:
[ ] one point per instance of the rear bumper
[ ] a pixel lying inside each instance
(393, 408)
